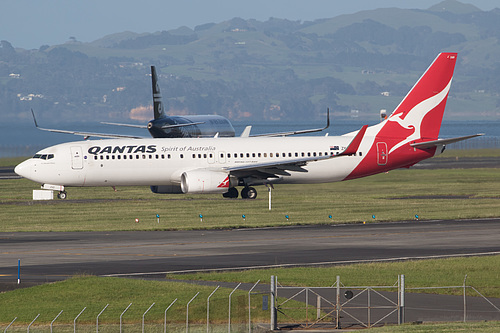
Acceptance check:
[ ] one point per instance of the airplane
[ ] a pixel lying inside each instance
(189, 126)
(163, 126)
(218, 165)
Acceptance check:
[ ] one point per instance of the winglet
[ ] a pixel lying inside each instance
(34, 119)
(354, 145)
(246, 132)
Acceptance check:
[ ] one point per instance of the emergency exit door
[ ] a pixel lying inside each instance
(381, 153)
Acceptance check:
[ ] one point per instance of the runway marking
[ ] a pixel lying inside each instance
(308, 264)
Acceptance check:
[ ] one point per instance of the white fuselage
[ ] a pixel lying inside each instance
(162, 161)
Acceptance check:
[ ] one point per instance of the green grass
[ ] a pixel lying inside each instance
(74, 294)
(482, 273)
(477, 327)
(394, 196)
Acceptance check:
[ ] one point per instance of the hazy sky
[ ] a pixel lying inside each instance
(32, 23)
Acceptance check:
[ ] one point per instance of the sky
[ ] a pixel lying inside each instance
(30, 24)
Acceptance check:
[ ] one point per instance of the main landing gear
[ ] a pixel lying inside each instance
(246, 193)
(62, 195)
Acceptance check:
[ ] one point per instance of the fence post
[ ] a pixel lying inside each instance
(337, 306)
(74, 321)
(122, 316)
(465, 300)
(32, 323)
(55, 320)
(250, 308)
(208, 308)
(318, 307)
(399, 299)
(165, 325)
(402, 313)
(273, 304)
(145, 314)
(97, 320)
(187, 312)
(229, 311)
(9, 325)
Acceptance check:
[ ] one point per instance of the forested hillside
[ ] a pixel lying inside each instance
(260, 71)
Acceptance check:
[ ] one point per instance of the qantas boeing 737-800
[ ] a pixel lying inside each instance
(218, 165)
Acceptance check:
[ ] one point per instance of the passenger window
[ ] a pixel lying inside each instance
(270, 154)
(265, 154)
(253, 154)
(182, 155)
(113, 157)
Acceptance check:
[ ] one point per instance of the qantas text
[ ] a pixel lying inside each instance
(122, 149)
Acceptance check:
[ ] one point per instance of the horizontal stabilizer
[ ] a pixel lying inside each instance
(440, 142)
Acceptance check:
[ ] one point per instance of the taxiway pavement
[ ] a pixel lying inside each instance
(152, 254)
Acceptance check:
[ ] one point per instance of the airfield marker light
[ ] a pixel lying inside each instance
(244, 217)
(18, 271)
(416, 217)
(158, 218)
(136, 220)
(201, 218)
(373, 217)
(330, 216)
(287, 217)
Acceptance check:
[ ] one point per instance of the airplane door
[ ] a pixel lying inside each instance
(76, 158)
(381, 153)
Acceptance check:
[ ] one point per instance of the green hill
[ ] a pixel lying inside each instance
(252, 70)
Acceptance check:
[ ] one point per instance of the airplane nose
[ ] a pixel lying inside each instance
(23, 169)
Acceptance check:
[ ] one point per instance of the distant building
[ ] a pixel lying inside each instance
(385, 93)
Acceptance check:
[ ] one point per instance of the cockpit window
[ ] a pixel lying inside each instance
(44, 156)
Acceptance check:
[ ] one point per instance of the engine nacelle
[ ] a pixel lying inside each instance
(204, 181)
(166, 189)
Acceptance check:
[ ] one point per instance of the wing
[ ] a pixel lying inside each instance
(260, 172)
(86, 135)
(246, 132)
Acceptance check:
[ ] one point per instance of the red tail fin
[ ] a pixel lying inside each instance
(422, 109)
(417, 118)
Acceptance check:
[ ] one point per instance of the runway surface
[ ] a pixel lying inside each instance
(55, 256)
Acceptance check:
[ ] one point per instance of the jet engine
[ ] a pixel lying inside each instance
(204, 181)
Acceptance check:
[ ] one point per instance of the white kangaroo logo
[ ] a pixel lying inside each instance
(415, 116)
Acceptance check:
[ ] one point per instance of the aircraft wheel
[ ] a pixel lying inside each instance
(62, 195)
(249, 193)
(231, 193)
